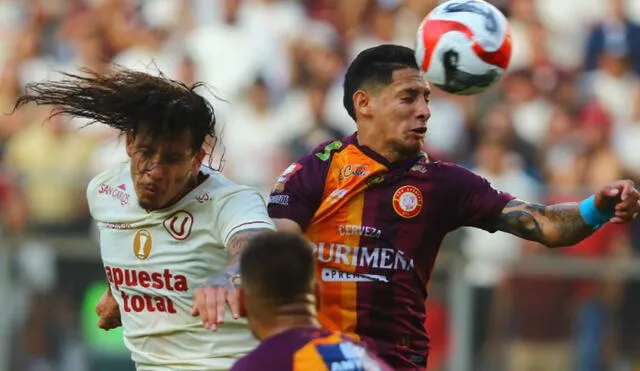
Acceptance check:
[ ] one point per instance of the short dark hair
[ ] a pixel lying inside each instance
(127, 100)
(278, 266)
(375, 66)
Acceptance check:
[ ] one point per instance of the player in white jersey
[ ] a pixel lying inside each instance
(171, 231)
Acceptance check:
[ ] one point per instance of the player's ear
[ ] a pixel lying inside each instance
(242, 304)
(129, 141)
(362, 103)
(197, 160)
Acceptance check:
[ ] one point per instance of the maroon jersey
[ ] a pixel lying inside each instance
(306, 349)
(376, 228)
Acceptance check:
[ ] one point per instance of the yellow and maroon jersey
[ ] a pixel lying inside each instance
(376, 228)
(310, 349)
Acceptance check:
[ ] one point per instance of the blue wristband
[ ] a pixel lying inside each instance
(591, 215)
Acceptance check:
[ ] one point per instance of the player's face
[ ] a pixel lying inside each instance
(163, 170)
(401, 110)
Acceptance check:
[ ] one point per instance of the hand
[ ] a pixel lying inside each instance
(623, 197)
(108, 312)
(209, 301)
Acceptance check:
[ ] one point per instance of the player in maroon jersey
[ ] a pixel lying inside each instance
(277, 295)
(376, 209)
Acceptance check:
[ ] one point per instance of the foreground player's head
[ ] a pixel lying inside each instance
(165, 123)
(278, 289)
(385, 93)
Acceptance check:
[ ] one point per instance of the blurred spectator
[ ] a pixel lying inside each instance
(224, 51)
(613, 83)
(320, 130)
(626, 141)
(530, 109)
(489, 254)
(532, 317)
(448, 135)
(382, 28)
(52, 163)
(254, 140)
(615, 27)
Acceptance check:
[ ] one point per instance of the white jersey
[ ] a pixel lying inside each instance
(155, 260)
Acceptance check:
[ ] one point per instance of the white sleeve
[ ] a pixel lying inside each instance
(92, 187)
(240, 210)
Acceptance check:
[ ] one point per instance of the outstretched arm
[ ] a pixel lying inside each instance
(569, 223)
(220, 289)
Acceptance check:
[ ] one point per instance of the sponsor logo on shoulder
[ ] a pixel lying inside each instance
(203, 197)
(284, 177)
(419, 168)
(279, 200)
(116, 192)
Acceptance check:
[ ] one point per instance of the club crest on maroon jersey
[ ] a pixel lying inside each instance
(407, 201)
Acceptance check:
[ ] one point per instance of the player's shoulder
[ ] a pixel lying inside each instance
(218, 185)
(113, 185)
(119, 172)
(324, 151)
(338, 351)
(453, 173)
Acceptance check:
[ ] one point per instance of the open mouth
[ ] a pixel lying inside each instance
(149, 190)
(421, 130)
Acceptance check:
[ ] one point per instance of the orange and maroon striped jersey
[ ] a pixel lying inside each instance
(310, 349)
(376, 228)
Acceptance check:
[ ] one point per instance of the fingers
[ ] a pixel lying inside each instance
(109, 322)
(209, 303)
(628, 208)
(212, 308)
(221, 299)
(195, 310)
(232, 300)
(611, 191)
(199, 304)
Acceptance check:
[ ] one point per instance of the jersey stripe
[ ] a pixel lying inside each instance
(343, 204)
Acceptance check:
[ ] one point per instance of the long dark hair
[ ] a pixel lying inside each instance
(127, 100)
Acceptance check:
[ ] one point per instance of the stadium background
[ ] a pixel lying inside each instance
(564, 121)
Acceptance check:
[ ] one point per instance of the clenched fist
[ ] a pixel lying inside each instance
(108, 311)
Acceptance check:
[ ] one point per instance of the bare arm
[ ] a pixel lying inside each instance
(220, 288)
(235, 245)
(564, 224)
(553, 225)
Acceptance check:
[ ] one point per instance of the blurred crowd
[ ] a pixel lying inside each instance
(562, 122)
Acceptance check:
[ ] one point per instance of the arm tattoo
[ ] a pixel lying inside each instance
(235, 245)
(553, 225)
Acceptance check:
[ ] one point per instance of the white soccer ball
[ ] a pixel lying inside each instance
(464, 46)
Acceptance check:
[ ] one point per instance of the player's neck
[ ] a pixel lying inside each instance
(195, 181)
(275, 320)
(377, 144)
(284, 323)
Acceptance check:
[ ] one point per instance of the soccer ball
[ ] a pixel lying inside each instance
(464, 46)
